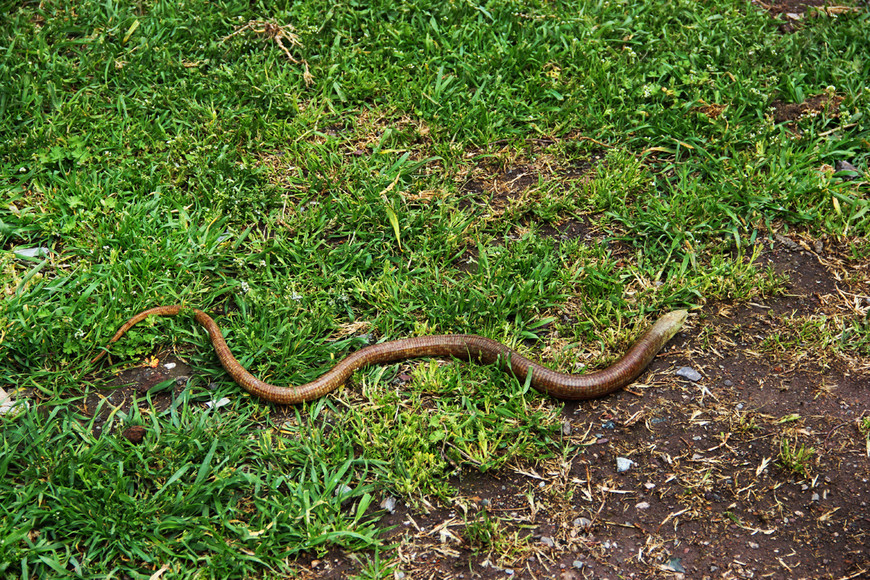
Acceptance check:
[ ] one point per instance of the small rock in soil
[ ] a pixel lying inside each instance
(728, 383)
(582, 522)
(623, 464)
(675, 565)
(689, 373)
(389, 504)
(547, 541)
(578, 564)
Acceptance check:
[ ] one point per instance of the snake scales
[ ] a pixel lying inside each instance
(467, 347)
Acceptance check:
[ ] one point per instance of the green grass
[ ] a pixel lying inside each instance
(795, 459)
(160, 159)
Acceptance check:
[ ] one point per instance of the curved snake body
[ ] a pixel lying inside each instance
(468, 347)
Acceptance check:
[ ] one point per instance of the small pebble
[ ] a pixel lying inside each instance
(675, 565)
(727, 383)
(815, 497)
(548, 541)
(689, 373)
(609, 425)
(389, 504)
(169, 366)
(582, 523)
(566, 428)
(577, 564)
(753, 545)
(642, 505)
(623, 464)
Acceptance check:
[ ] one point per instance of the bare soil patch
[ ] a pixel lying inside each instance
(816, 105)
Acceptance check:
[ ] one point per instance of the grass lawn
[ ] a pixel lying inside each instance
(321, 176)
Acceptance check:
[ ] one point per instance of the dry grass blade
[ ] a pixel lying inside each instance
(279, 33)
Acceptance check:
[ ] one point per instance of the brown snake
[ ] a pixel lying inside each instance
(468, 347)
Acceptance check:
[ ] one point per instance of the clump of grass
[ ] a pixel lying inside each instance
(795, 459)
(486, 534)
(201, 487)
(864, 429)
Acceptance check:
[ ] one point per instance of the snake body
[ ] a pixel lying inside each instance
(468, 347)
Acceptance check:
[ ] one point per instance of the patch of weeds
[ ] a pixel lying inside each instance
(490, 535)
(200, 487)
(795, 459)
(373, 567)
(819, 333)
(743, 421)
(856, 336)
(449, 416)
(864, 429)
(482, 532)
